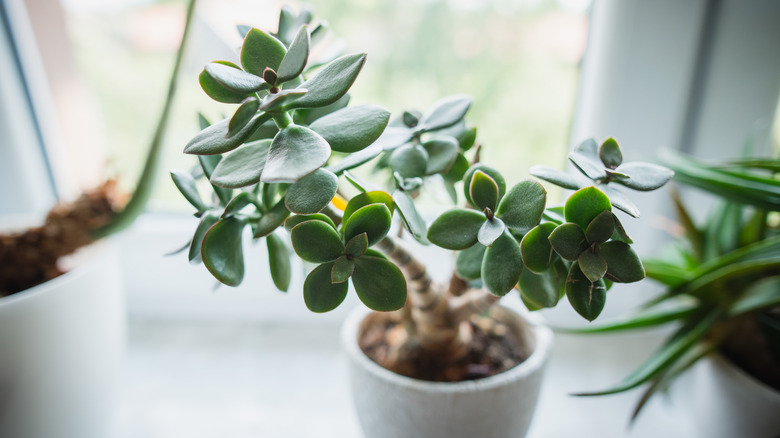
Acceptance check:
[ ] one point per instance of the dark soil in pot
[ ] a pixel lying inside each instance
(748, 347)
(495, 347)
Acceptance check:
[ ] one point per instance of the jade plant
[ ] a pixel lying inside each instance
(722, 278)
(286, 157)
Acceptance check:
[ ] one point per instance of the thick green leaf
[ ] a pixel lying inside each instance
(330, 83)
(620, 232)
(569, 241)
(222, 252)
(624, 265)
(483, 191)
(353, 128)
(357, 159)
(260, 51)
(601, 228)
(343, 268)
(442, 153)
(610, 153)
(215, 139)
(316, 242)
(643, 319)
(275, 102)
(359, 201)
(312, 193)
(456, 229)
(592, 265)
(586, 158)
(208, 163)
(208, 219)
(319, 293)
(373, 219)
(271, 220)
(459, 168)
(409, 160)
(291, 222)
(502, 265)
(296, 151)
(586, 297)
(413, 222)
(243, 115)
(536, 249)
(644, 176)
(215, 90)
(379, 283)
(467, 139)
(357, 245)
(522, 207)
(619, 199)
(584, 205)
(294, 61)
(234, 79)
(543, 290)
(243, 166)
(569, 181)
(469, 262)
(279, 262)
(490, 230)
(237, 204)
(186, 185)
(489, 171)
(445, 112)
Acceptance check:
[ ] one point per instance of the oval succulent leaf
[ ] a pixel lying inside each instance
(208, 163)
(442, 153)
(592, 265)
(620, 232)
(619, 199)
(243, 166)
(319, 293)
(260, 51)
(413, 222)
(358, 158)
(490, 230)
(569, 241)
(483, 191)
(584, 205)
(623, 264)
(379, 284)
(291, 222)
(342, 269)
(277, 101)
(445, 112)
(243, 115)
(279, 262)
(271, 220)
(543, 290)
(373, 219)
(566, 180)
(536, 249)
(222, 252)
(409, 160)
(316, 242)
(394, 136)
(601, 227)
(215, 139)
(237, 204)
(294, 60)
(468, 263)
(312, 193)
(522, 207)
(585, 297)
(357, 245)
(644, 176)
(458, 169)
(489, 171)
(502, 265)
(467, 139)
(215, 90)
(586, 158)
(296, 151)
(359, 201)
(353, 128)
(234, 79)
(208, 219)
(330, 83)
(610, 154)
(186, 185)
(456, 229)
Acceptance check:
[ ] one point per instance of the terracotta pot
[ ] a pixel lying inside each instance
(391, 406)
(728, 403)
(61, 346)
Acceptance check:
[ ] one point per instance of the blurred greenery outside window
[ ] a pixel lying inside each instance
(519, 59)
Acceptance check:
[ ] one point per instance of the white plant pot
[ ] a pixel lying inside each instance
(392, 406)
(728, 403)
(61, 348)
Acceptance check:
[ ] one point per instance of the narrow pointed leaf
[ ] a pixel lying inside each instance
(208, 219)
(522, 207)
(445, 112)
(222, 251)
(353, 128)
(610, 153)
(186, 185)
(330, 83)
(502, 265)
(490, 231)
(584, 205)
(569, 241)
(456, 229)
(373, 219)
(279, 262)
(243, 166)
(296, 151)
(624, 265)
(586, 297)
(234, 79)
(644, 176)
(641, 320)
(319, 293)
(379, 284)
(312, 193)
(260, 51)
(294, 60)
(536, 249)
(469, 262)
(342, 269)
(483, 191)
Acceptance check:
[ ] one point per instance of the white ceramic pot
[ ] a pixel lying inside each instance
(728, 403)
(61, 348)
(392, 406)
